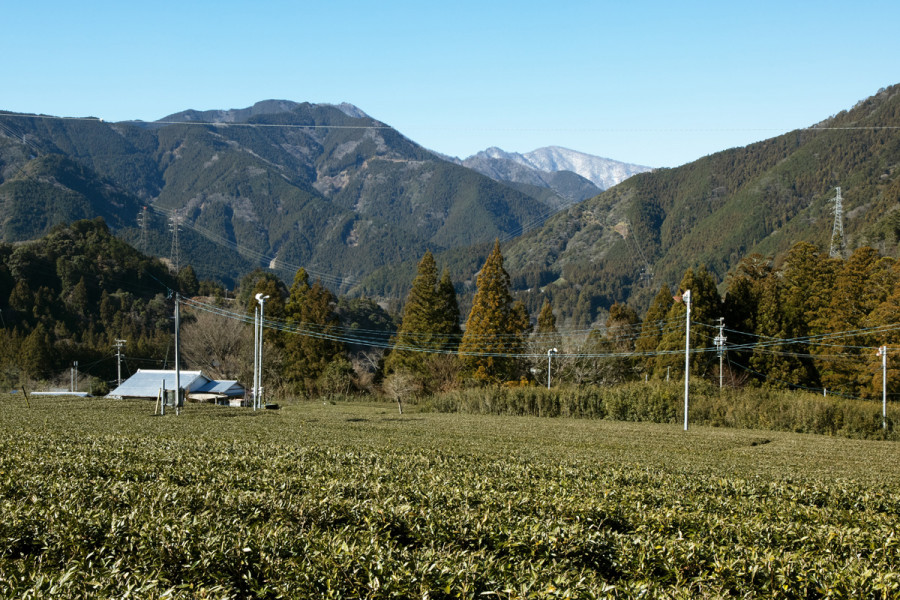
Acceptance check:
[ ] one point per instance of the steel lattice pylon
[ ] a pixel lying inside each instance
(837, 232)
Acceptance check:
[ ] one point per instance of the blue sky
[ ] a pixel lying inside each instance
(653, 83)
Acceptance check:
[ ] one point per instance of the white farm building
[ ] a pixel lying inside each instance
(146, 383)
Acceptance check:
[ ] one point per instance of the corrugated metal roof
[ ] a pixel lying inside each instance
(226, 388)
(147, 382)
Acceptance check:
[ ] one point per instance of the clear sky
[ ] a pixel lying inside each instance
(653, 83)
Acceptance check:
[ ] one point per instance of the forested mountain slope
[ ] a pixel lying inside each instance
(628, 241)
(280, 184)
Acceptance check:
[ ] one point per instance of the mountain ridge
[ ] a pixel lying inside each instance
(322, 186)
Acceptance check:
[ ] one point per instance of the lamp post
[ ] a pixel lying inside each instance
(550, 354)
(258, 399)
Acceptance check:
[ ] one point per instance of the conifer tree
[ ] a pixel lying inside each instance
(743, 302)
(859, 288)
(778, 363)
(187, 282)
(808, 275)
(546, 322)
(311, 311)
(652, 328)
(448, 309)
(430, 319)
(617, 341)
(494, 329)
(887, 313)
(705, 309)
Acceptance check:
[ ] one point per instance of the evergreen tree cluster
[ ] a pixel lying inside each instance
(812, 322)
(809, 321)
(70, 295)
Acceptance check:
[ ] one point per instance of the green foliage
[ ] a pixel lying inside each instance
(762, 198)
(705, 308)
(76, 290)
(652, 329)
(355, 501)
(546, 321)
(187, 281)
(495, 327)
(311, 352)
(347, 199)
(662, 402)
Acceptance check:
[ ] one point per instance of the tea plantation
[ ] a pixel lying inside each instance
(100, 498)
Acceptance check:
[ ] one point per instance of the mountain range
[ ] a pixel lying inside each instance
(279, 184)
(284, 184)
(625, 243)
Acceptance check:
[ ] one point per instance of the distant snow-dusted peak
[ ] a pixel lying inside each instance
(602, 172)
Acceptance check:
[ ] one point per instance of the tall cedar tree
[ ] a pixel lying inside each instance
(546, 322)
(886, 313)
(859, 287)
(705, 309)
(495, 327)
(427, 325)
(777, 362)
(617, 341)
(742, 304)
(546, 335)
(652, 329)
(311, 310)
(448, 313)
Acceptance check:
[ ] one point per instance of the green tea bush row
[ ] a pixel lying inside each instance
(662, 402)
(101, 499)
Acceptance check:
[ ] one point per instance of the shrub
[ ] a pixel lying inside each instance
(662, 402)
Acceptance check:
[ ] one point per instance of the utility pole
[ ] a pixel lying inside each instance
(75, 381)
(550, 354)
(882, 352)
(719, 341)
(119, 344)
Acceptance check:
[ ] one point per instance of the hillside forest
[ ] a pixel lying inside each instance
(809, 321)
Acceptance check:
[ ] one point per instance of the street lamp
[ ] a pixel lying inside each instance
(550, 354)
(257, 384)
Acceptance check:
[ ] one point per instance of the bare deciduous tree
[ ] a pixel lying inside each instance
(400, 385)
(221, 347)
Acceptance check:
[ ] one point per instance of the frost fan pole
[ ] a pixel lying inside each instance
(177, 353)
(686, 297)
(882, 352)
(258, 397)
(255, 384)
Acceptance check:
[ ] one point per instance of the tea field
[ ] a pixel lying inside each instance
(99, 498)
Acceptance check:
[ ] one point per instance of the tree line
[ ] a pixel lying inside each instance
(805, 320)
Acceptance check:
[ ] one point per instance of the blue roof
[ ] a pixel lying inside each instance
(226, 388)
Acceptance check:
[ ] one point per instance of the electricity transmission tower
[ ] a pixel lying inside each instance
(837, 231)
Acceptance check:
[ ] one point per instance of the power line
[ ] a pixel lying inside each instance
(377, 125)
